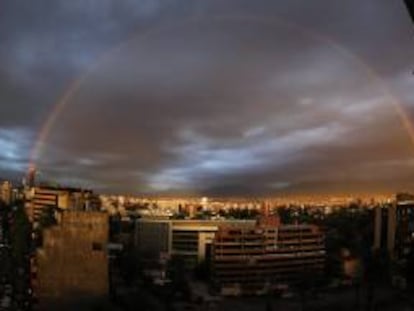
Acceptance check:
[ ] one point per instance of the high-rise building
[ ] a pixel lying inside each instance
(248, 260)
(72, 264)
(394, 226)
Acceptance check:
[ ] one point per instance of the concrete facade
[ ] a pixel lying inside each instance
(73, 263)
(251, 260)
(187, 239)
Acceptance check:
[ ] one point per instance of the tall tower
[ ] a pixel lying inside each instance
(31, 176)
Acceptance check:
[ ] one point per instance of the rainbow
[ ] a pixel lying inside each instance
(74, 86)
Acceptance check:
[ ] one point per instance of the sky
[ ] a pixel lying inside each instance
(208, 97)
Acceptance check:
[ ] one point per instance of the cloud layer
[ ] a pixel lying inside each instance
(216, 98)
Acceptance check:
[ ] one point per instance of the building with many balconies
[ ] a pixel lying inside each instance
(247, 260)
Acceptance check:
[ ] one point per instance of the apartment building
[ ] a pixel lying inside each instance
(250, 259)
(72, 263)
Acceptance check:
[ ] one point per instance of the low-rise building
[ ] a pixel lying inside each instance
(188, 239)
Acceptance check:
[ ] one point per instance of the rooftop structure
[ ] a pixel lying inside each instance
(39, 199)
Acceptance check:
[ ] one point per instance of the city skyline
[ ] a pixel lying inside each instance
(209, 98)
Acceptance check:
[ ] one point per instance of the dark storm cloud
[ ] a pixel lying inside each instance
(14, 144)
(212, 97)
(47, 44)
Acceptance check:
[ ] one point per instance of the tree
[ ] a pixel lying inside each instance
(286, 215)
(178, 276)
(201, 271)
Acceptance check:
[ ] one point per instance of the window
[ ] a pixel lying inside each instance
(97, 246)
